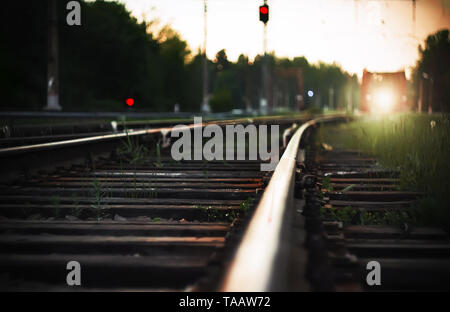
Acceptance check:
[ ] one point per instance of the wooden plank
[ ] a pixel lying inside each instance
(409, 274)
(170, 167)
(90, 244)
(147, 180)
(362, 174)
(364, 180)
(125, 201)
(373, 195)
(162, 173)
(105, 270)
(398, 248)
(112, 228)
(138, 192)
(381, 231)
(177, 212)
(372, 205)
(364, 187)
(132, 184)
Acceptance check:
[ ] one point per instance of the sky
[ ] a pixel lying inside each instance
(375, 34)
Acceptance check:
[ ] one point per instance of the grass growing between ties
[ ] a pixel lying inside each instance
(417, 146)
(98, 202)
(132, 150)
(213, 214)
(361, 216)
(56, 202)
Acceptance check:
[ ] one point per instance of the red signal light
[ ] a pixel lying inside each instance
(264, 13)
(129, 101)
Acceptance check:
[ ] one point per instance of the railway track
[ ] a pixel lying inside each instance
(157, 227)
(21, 135)
(151, 223)
(355, 214)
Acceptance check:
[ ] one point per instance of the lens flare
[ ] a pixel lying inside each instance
(383, 100)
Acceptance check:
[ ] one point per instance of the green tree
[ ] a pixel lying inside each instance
(221, 100)
(173, 56)
(107, 60)
(434, 62)
(23, 28)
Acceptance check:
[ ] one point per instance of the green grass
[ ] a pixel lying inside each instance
(246, 206)
(98, 202)
(132, 150)
(417, 146)
(56, 201)
(213, 214)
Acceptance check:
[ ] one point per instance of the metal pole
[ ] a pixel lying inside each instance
(52, 65)
(265, 75)
(414, 17)
(430, 97)
(420, 102)
(331, 98)
(265, 40)
(205, 104)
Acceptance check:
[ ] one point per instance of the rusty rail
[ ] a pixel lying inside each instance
(258, 259)
(125, 133)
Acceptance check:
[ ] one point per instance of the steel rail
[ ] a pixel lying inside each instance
(52, 145)
(119, 135)
(256, 261)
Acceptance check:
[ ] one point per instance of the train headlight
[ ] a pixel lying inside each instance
(383, 100)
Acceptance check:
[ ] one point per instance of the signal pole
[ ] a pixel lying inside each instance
(205, 103)
(414, 17)
(264, 17)
(52, 65)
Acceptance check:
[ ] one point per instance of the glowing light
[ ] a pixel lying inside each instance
(383, 100)
(310, 93)
(129, 101)
(263, 10)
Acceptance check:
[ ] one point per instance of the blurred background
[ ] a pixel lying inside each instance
(149, 56)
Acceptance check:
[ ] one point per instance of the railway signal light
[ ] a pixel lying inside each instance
(129, 101)
(264, 13)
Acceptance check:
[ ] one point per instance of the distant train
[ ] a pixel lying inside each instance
(384, 92)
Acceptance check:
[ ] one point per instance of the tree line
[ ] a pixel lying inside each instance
(431, 75)
(112, 56)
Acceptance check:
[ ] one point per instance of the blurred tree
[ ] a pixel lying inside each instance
(173, 55)
(193, 92)
(112, 56)
(433, 68)
(221, 100)
(106, 60)
(221, 61)
(23, 55)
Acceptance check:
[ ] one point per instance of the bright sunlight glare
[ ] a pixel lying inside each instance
(384, 100)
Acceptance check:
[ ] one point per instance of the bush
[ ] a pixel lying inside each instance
(221, 101)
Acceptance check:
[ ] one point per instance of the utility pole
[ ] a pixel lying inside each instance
(430, 92)
(265, 94)
(264, 17)
(52, 59)
(331, 98)
(205, 104)
(420, 102)
(414, 17)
